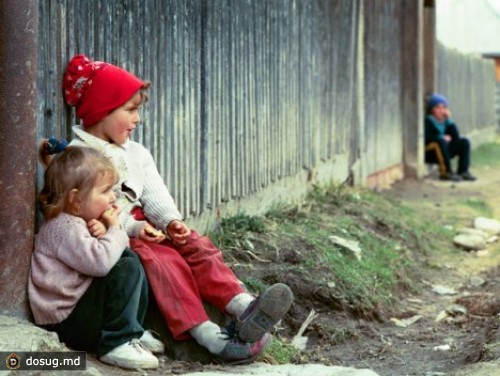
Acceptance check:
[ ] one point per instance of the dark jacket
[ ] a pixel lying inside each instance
(433, 132)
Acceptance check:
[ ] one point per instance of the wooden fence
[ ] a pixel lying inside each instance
(469, 83)
(245, 93)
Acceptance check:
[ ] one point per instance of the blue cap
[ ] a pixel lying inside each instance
(436, 99)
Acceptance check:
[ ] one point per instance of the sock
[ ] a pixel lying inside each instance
(239, 304)
(209, 335)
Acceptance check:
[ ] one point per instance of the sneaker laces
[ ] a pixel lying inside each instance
(154, 333)
(230, 332)
(137, 345)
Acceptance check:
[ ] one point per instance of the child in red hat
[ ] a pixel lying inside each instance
(184, 269)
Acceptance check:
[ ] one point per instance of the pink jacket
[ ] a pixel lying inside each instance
(65, 261)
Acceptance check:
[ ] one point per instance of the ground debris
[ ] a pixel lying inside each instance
(350, 245)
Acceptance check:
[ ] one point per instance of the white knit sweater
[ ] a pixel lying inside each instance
(65, 261)
(144, 187)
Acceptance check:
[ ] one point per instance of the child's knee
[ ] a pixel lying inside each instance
(129, 267)
(465, 143)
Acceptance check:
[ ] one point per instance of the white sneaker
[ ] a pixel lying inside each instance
(151, 343)
(130, 355)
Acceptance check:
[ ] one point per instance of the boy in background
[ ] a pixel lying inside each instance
(443, 141)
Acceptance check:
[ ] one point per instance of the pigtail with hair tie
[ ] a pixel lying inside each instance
(49, 147)
(55, 146)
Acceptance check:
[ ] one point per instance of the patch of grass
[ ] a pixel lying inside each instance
(254, 285)
(410, 224)
(338, 195)
(395, 240)
(285, 213)
(479, 206)
(487, 155)
(234, 231)
(282, 353)
(367, 282)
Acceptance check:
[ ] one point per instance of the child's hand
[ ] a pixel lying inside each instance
(178, 232)
(96, 228)
(447, 113)
(149, 234)
(110, 216)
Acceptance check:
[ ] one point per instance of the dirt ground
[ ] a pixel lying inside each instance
(340, 335)
(463, 339)
(427, 347)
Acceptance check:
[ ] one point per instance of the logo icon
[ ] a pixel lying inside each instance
(13, 361)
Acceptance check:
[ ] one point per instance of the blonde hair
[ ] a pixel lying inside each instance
(76, 167)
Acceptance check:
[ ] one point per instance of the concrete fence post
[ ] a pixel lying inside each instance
(18, 67)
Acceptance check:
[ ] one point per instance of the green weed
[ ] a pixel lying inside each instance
(338, 195)
(486, 155)
(394, 240)
(254, 285)
(479, 206)
(234, 231)
(282, 353)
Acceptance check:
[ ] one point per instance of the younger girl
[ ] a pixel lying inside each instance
(84, 283)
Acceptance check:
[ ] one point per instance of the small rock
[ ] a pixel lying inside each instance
(477, 281)
(443, 290)
(491, 226)
(350, 245)
(441, 316)
(415, 301)
(442, 348)
(470, 241)
(492, 239)
(406, 322)
(457, 309)
(482, 253)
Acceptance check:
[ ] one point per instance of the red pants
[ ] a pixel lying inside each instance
(182, 277)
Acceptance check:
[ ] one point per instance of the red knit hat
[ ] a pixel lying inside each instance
(96, 88)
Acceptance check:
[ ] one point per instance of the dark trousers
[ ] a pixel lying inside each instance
(111, 311)
(441, 153)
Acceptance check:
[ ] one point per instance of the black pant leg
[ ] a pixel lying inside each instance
(111, 311)
(126, 306)
(461, 148)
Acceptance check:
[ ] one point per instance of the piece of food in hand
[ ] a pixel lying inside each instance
(110, 211)
(151, 231)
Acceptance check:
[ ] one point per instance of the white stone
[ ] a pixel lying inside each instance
(443, 290)
(470, 241)
(350, 245)
(491, 226)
